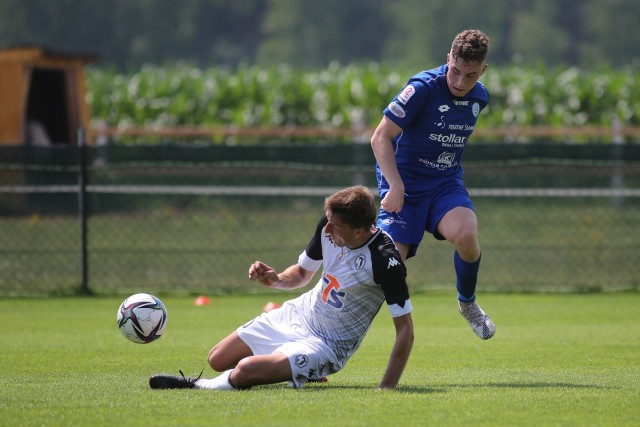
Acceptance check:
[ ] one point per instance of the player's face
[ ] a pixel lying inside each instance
(341, 233)
(462, 76)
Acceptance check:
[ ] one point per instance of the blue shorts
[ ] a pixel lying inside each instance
(422, 212)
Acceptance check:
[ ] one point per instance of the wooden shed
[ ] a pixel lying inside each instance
(42, 96)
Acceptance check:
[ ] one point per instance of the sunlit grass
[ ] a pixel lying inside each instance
(555, 360)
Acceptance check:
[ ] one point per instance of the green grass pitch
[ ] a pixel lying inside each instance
(556, 360)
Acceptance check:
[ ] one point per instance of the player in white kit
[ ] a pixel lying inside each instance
(315, 334)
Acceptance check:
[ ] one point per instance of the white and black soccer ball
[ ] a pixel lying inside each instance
(142, 318)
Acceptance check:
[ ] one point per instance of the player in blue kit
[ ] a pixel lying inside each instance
(418, 147)
(315, 334)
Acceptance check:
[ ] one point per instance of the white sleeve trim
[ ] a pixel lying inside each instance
(307, 263)
(397, 311)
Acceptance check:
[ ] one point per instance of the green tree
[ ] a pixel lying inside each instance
(538, 36)
(422, 31)
(612, 32)
(311, 33)
(408, 34)
(72, 24)
(133, 32)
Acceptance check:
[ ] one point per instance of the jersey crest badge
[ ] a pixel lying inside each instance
(475, 109)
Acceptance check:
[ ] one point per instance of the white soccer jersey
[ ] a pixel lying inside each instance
(354, 284)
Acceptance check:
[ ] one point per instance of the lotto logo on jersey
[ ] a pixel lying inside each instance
(332, 295)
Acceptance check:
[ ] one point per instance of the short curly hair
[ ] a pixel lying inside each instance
(470, 46)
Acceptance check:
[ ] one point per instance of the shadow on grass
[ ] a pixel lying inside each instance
(523, 385)
(441, 388)
(446, 387)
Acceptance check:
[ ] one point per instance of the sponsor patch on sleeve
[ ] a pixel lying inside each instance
(397, 110)
(406, 94)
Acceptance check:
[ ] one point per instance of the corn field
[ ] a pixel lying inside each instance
(347, 96)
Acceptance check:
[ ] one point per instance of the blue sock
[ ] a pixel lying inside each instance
(467, 277)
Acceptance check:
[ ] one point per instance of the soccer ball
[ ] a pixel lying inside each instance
(142, 318)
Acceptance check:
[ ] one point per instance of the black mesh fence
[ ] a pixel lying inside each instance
(191, 218)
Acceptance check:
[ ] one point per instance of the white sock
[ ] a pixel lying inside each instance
(221, 382)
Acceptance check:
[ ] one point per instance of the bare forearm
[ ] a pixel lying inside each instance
(382, 146)
(385, 157)
(399, 356)
(291, 278)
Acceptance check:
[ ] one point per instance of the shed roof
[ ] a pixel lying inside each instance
(24, 53)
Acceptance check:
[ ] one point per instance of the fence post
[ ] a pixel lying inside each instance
(617, 181)
(82, 210)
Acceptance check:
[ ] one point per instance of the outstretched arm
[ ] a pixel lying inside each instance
(400, 352)
(382, 146)
(291, 278)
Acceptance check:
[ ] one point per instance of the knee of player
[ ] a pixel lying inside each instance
(243, 373)
(464, 236)
(469, 235)
(216, 361)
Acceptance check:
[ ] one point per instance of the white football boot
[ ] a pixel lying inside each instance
(481, 324)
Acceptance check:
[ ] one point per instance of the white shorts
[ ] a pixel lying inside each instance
(280, 330)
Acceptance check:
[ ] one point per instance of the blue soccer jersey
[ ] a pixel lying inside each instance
(435, 129)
